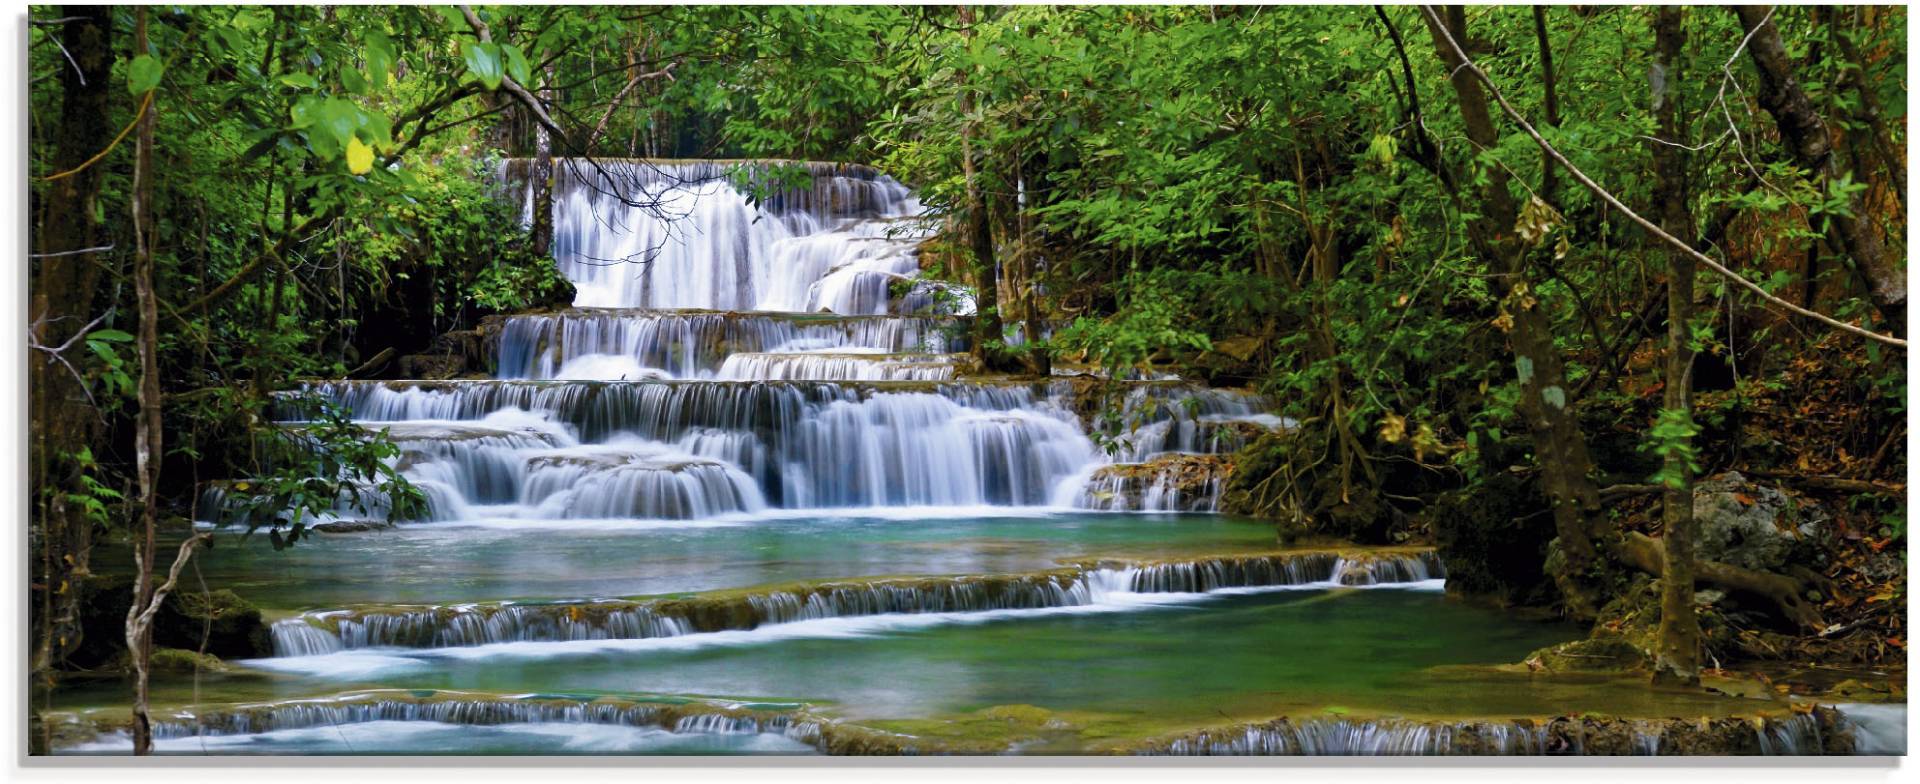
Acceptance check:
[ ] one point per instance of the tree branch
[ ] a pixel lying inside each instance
(1467, 64)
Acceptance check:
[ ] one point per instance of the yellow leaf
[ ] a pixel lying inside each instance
(1393, 428)
(359, 157)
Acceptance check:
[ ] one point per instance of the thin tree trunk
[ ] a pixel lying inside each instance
(1547, 184)
(1804, 134)
(1677, 657)
(147, 438)
(988, 334)
(543, 180)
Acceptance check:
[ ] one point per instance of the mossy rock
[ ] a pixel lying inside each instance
(237, 630)
(1605, 655)
(1022, 715)
(175, 660)
(103, 621)
(232, 626)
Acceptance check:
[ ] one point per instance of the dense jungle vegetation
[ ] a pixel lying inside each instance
(1522, 275)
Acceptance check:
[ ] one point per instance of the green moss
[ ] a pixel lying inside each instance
(176, 660)
(232, 626)
(1605, 655)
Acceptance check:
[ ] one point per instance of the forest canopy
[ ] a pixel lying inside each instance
(1569, 258)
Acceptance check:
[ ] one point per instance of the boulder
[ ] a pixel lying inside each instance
(1747, 525)
(233, 627)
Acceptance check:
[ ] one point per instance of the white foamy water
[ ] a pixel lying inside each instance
(429, 737)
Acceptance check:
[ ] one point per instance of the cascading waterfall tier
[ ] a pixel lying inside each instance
(615, 345)
(734, 235)
(623, 619)
(675, 714)
(1822, 730)
(699, 449)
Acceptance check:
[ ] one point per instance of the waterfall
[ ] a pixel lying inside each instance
(463, 708)
(745, 340)
(695, 345)
(639, 234)
(464, 625)
(1798, 734)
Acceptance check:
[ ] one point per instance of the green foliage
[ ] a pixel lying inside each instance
(112, 378)
(95, 499)
(1672, 438)
(327, 464)
(1154, 318)
(143, 74)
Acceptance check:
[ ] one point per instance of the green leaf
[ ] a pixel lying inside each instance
(339, 118)
(380, 59)
(143, 74)
(299, 79)
(517, 64)
(110, 335)
(483, 62)
(305, 111)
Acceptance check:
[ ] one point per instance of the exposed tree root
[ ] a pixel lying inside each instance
(1647, 554)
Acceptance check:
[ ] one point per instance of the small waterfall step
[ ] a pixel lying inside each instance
(678, 715)
(473, 624)
(590, 344)
(1821, 730)
(827, 366)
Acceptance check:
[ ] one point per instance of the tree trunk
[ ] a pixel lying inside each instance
(542, 179)
(1545, 402)
(1677, 659)
(63, 422)
(989, 336)
(1804, 134)
(147, 437)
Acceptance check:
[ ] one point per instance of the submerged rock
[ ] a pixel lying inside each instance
(350, 526)
(175, 660)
